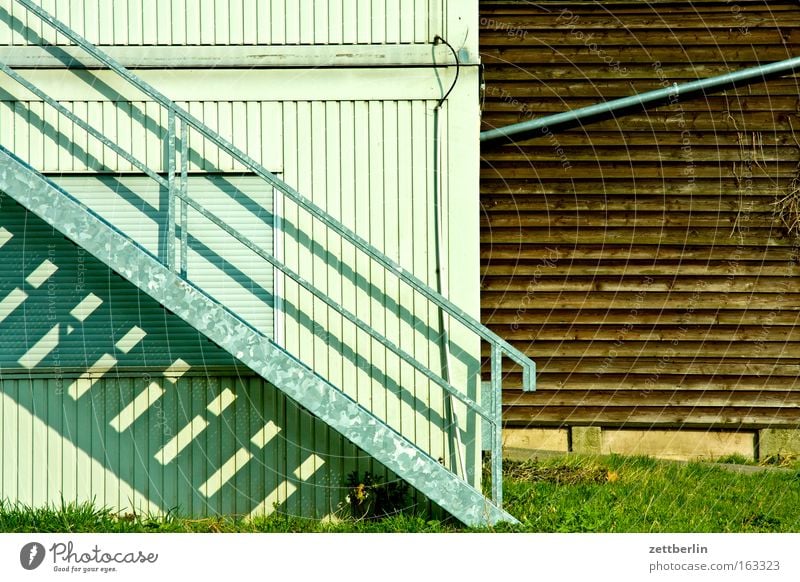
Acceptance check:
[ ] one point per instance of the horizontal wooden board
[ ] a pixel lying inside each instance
(663, 416)
(606, 398)
(601, 319)
(589, 73)
(655, 300)
(765, 18)
(723, 235)
(619, 6)
(634, 220)
(659, 349)
(544, 150)
(645, 285)
(631, 187)
(556, 206)
(685, 373)
(587, 52)
(495, 35)
(528, 83)
(742, 252)
(690, 331)
(537, 270)
(658, 119)
(657, 381)
(533, 103)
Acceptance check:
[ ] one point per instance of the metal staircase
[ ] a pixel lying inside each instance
(165, 278)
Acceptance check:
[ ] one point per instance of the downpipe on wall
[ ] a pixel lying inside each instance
(456, 446)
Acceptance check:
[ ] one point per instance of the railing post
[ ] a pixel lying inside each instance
(171, 163)
(497, 432)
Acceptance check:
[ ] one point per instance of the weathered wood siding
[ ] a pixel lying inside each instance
(638, 259)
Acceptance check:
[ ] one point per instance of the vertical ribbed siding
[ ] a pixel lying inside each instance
(61, 309)
(232, 22)
(197, 445)
(639, 259)
(221, 266)
(173, 426)
(369, 165)
(40, 135)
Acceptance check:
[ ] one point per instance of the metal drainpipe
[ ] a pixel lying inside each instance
(457, 450)
(670, 95)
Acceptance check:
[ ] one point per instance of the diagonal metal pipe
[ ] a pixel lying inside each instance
(675, 93)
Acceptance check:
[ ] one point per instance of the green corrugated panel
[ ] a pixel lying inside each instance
(351, 169)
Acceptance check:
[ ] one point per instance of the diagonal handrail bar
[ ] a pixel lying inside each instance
(302, 282)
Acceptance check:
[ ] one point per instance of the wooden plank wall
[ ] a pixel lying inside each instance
(638, 260)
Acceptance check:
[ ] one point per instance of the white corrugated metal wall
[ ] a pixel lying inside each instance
(104, 396)
(235, 22)
(198, 445)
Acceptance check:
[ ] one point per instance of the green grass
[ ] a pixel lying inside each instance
(736, 459)
(645, 495)
(85, 518)
(566, 494)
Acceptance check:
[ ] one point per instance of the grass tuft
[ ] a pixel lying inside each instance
(783, 460)
(736, 459)
(563, 474)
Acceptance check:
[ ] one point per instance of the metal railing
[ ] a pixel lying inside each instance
(616, 108)
(176, 183)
